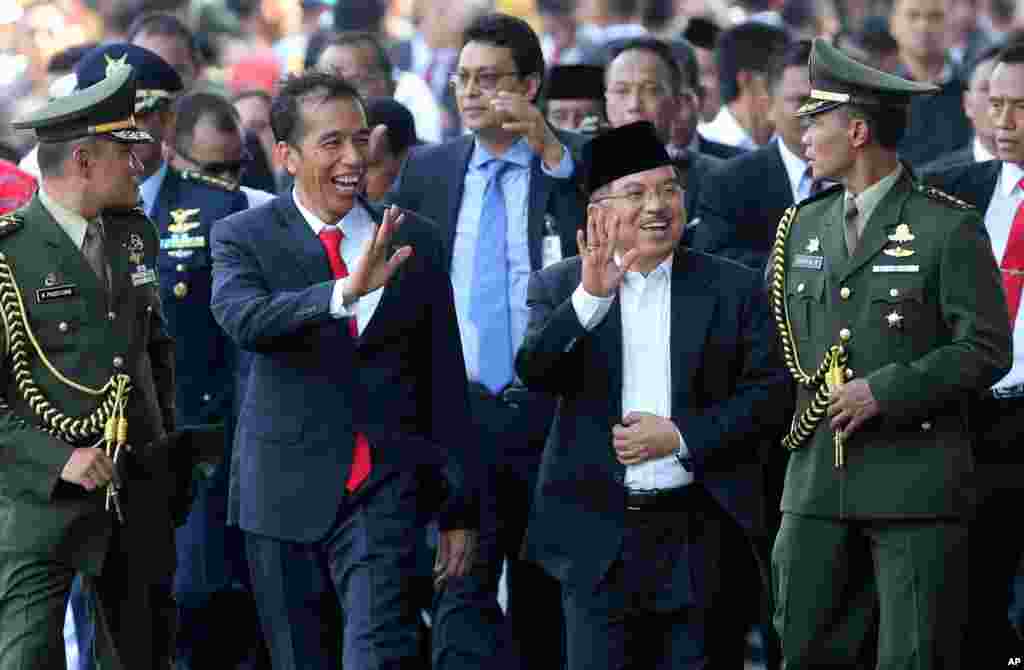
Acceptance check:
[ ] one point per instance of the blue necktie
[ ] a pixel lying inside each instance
(489, 305)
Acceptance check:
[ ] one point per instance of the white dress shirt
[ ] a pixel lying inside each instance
(981, 154)
(515, 184)
(149, 188)
(358, 230)
(1006, 198)
(800, 181)
(413, 93)
(725, 129)
(646, 306)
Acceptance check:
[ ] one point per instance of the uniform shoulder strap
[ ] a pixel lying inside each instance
(11, 223)
(939, 195)
(200, 178)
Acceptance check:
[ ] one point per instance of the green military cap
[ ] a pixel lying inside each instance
(104, 109)
(837, 79)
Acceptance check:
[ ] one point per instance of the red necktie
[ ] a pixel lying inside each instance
(330, 237)
(1013, 262)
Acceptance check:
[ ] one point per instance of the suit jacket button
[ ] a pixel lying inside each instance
(118, 362)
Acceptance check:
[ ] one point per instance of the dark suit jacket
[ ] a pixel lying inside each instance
(937, 125)
(717, 149)
(953, 159)
(727, 386)
(973, 183)
(432, 179)
(311, 386)
(694, 168)
(740, 206)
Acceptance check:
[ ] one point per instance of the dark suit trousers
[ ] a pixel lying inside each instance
(669, 600)
(364, 567)
(996, 546)
(469, 630)
(133, 619)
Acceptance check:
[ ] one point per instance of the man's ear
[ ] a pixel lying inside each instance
(533, 84)
(859, 133)
(286, 156)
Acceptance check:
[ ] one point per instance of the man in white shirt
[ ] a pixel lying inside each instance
(745, 55)
(661, 357)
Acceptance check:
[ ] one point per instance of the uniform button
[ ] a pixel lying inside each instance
(800, 287)
(927, 425)
(149, 309)
(111, 316)
(894, 292)
(844, 293)
(180, 267)
(63, 326)
(118, 362)
(850, 373)
(845, 334)
(180, 289)
(2, 257)
(206, 397)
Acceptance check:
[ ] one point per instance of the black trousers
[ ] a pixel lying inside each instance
(996, 541)
(469, 629)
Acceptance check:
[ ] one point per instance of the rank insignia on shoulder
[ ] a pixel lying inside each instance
(11, 223)
(199, 177)
(943, 197)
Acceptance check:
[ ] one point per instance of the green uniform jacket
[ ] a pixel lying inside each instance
(88, 338)
(926, 329)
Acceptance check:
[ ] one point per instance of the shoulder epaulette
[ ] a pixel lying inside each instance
(216, 182)
(11, 222)
(820, 195)
(942, 196)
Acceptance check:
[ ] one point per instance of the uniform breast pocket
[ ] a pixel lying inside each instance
(56, 323)
(900, 311)
(804, 293)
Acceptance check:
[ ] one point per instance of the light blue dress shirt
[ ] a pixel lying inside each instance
(150, 188)
(516, 186)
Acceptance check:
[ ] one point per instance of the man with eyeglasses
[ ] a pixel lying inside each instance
(664, 363)
(506, 203)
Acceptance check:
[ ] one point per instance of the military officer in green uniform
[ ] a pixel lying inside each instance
(86, 393)
(891, 315)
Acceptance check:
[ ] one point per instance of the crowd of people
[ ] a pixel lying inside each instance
(638, 335)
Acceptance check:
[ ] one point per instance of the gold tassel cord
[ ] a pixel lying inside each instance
(832, 370)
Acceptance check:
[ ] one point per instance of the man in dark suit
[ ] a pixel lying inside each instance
(742, 201)
(661, 358)
(355, 397)
(643, 82)
(498, 75)
(983, 147)
(995, 188)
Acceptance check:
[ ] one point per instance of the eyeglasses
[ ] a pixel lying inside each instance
(637, 197)
(487, 81)
(230, 169)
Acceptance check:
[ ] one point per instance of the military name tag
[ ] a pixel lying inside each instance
(52, 293)
(805, 262)
(895, 268)
(183, 242)
(144, 275)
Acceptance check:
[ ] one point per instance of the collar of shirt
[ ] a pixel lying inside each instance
(355, 218)
(726, 129)
(1009, 178)
(72, 223)
(981, 154)
(519, 154)
(796, 167)
(868, 200)
(149, 188)
(663, 272)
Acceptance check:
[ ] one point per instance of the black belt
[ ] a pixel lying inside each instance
(658, 499)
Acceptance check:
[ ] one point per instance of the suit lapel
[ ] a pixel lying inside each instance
(73, 268)
(381, 315)
(876, 233)
(782, 190)
(692, 309)
(463, 150)
(609, 345)
(304, 247)
(540, 191)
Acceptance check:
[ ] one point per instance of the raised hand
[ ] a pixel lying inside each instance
(601, 274)
(374, 268)
(525, 118)
(88, 467)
